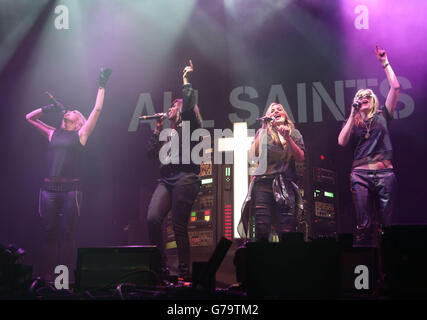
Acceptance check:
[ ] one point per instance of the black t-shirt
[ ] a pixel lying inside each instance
(375, 147)
(180, 173)
(279, 159)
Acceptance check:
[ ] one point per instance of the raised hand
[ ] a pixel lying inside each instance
(381, 55)
(104, 75)
(187, 70)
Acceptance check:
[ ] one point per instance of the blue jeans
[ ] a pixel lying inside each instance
(268, 212)
(59, 211)
(180, 200)
(374, 195)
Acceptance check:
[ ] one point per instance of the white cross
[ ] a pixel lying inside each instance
(240, 144)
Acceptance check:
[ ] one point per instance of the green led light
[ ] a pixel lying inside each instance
(328, 194)
(227, 171)
(193, 214)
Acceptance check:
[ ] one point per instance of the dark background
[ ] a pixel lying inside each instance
(231, 43)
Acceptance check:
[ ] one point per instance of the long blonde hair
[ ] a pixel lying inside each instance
(81, 120)
(273, 133)
(373, 108)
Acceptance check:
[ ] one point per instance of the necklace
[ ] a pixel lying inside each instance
(367, 135)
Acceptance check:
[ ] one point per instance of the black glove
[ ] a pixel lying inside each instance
(56, 106)
(103, 77)
(52, 108)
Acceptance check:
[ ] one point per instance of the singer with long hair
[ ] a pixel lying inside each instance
(179, 182)
(60, 195)
(274, 198)
(373, 183)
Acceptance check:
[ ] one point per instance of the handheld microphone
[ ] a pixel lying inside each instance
(267, 119)
(154, 116)
(357, 105)
(56, 103)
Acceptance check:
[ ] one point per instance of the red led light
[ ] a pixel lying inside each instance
(228, 221)
(322, 157)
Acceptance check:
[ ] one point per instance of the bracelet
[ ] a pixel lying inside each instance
(386, 65)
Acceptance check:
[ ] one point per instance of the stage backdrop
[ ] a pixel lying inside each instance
(309, 55)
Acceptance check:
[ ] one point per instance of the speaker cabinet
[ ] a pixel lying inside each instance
(292, 269)
(405, 261)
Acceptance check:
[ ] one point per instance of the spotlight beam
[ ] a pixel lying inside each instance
(26, 33)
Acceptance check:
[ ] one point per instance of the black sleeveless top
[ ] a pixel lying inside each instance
(64, 155)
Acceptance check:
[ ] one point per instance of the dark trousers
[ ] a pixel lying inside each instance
(374, 194)
(180, 200)
(59, 211)
(268, 212)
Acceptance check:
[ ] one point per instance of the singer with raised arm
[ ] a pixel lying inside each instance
(273, 198)
(179, 181)
(60, 195)
(373, 183)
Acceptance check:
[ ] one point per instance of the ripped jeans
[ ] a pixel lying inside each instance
(268, 212)
(374, 195)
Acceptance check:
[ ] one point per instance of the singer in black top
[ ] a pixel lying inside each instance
(273, 198)
(60, 195)
(179, 182)
(373, 183)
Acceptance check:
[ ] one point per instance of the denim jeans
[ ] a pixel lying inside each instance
(268, 212)
(374, 195)
(179, 199)
(59, 211)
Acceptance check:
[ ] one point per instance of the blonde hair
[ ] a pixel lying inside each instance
(373, 108)
(81, 120)
(273, 133)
